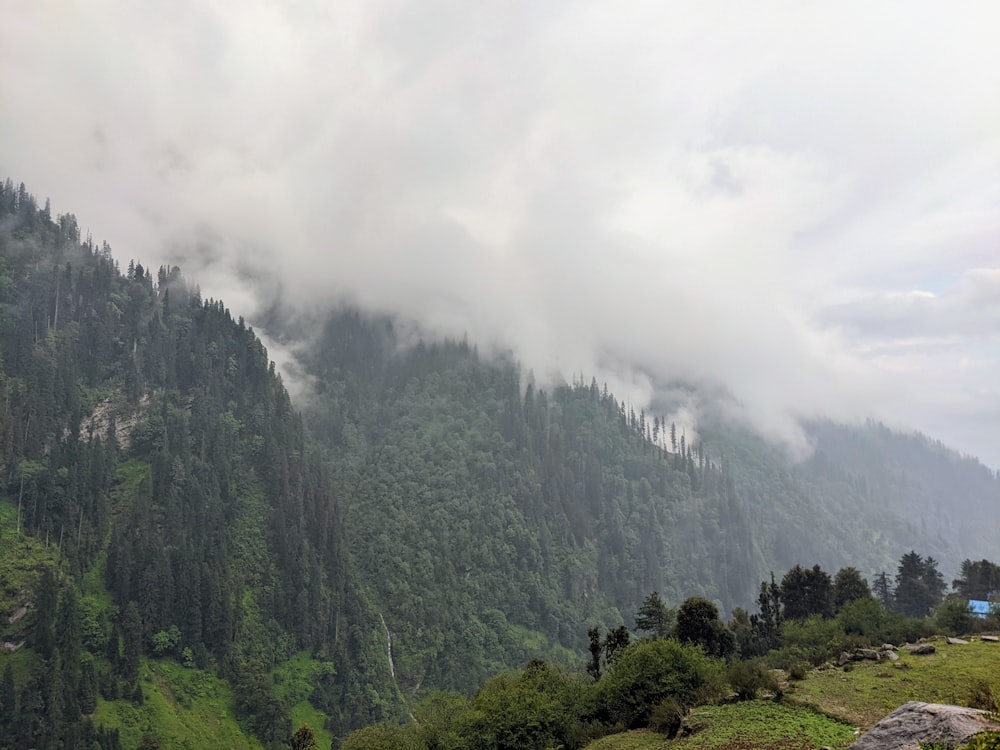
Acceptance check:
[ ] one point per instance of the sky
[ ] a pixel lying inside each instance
(798, 202)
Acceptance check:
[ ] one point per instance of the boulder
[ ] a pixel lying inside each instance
(914, 723)
(844, 658)
(891, 655)
(888, 647)
(866, 653)
(920, 648)
(957, 642)
(990, 639)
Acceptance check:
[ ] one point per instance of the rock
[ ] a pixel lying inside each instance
(10, 646)
(891, 655)
(957, 642)
(990, 639)
(866, 653)
(914, 723)
(844, 658)
(888, 647)
(920, 648)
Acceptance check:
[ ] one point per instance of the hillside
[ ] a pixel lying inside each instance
(491, 520)
(180, 540)
(160, 485)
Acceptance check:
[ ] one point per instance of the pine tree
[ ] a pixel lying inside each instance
(654, 616)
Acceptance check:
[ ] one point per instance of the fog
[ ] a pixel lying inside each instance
(795, 202)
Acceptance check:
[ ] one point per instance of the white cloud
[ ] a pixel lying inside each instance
(648, 191)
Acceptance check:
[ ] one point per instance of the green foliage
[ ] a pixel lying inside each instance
(649, 672)
(978, 580)
(698, 623)
(816, 638)
(919, 585)
(182, 707)
(953, 616)
(981, 695)
(748, 678)
(667, 717)
(985, 741)
(806, 592)
(655, 617)
(849, 586)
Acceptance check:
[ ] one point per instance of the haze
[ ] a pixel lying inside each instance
(796, 201)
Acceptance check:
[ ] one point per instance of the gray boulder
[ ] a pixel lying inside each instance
(914, 723)
(920, 648)
(957, 642)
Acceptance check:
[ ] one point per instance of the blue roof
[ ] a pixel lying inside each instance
(979, 607)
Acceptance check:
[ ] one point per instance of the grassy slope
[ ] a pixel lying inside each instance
(871, 690)
(742, 726)
(823, 709)
(183, 708)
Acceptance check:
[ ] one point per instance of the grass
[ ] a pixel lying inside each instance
(824, 709)
(743, 726)
(21, 561)
(873, 689)
(294, 681)
(183, 708)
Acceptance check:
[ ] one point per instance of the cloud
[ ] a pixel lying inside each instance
(647, 192)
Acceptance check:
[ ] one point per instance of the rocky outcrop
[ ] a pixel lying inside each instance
(914, 723)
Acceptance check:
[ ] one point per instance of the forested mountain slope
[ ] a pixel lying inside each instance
(490, 520)
(161, 498)
(149, 442)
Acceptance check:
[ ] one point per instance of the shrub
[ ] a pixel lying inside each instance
(667, 718)
(985, 741)
(981, 695)
(747, 678)
(649, 672)
(799, 670)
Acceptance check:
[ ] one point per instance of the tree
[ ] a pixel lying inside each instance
(8, 700)
(654, 616)
(978, 580)
(806, 592)
(651, 671)
(883, 590)
(302, 739)
(132, 642)
(698, 623)
(849, 586)
(766, 625)
(919, 585)
(595, 647)
(615, 642)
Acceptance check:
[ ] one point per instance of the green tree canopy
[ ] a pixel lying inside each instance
(655, 617)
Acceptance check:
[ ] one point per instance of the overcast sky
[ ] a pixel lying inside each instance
(798, 200)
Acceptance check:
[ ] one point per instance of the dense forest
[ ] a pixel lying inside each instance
(148, 441)
(422, 518)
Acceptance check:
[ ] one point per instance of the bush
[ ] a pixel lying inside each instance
(667, 718)
(981, 695)
(985, 741)
(799, 670)
(649, 672)
(747, 678)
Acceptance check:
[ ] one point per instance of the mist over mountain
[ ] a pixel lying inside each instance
(797, 205)
(175, 529)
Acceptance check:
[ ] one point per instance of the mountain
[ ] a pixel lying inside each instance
(150, 447)
(178, 534)
(490, 520)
